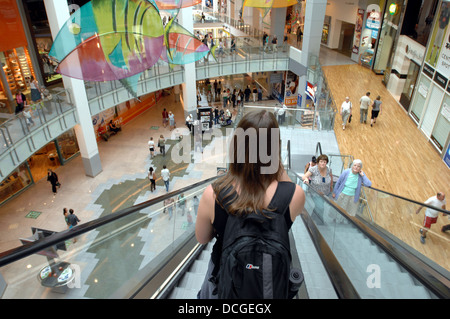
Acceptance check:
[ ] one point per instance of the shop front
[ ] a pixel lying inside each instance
(16, 67)
(430, 106)
(51, 156)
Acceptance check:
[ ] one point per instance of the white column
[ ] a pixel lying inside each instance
(58, 14)
(277, 23)
(312, 33)
(189, 86)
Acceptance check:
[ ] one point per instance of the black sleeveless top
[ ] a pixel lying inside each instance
(221, 216)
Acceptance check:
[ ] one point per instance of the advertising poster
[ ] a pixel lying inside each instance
(276, 82)
(439, 36)
(291, 94)
(358, 30)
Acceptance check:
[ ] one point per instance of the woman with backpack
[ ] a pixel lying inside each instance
(251, 189)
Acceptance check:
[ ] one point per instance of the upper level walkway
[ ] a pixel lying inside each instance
(56, 115)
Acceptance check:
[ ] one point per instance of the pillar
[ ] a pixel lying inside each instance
(189, 86)
(312, 33)
(58, 14)
(277, 23)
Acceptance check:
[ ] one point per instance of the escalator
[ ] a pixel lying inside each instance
(146, 251)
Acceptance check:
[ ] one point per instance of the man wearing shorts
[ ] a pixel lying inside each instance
(431, 215)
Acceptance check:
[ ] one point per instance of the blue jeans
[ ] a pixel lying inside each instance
(167, 185)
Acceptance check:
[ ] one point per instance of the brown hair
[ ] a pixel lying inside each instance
(322, 157)
(248, 172)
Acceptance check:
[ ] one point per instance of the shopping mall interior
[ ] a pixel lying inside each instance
(133, 242)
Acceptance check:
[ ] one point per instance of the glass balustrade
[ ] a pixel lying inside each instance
(99, 263)
(290, 117)
(17, 127)
(380, 208)
(371, 270)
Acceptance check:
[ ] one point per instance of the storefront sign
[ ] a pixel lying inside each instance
(445, 112)
(373, 20)
(428, 70)
(447, 156)
(440, 79)
(311, 91)
(414, 51)
(438, 40)
(358, 30)
(423, 90)
(12, 34)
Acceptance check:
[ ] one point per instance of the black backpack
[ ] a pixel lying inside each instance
(256, 261)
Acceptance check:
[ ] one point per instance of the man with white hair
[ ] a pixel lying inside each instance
(431, 215)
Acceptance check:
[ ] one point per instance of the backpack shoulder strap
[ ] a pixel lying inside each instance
(282, 197)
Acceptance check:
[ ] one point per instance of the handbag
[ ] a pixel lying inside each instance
(350, 118)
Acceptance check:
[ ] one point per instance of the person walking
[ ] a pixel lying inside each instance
(73, 221)
(21, 101)
(182, 203)
(376, 110)
(431, 215)
(169, 203)
(165, 117)
(152, 179)
(254, 93)
(36, 90)
(364, 102)
(346, 111)
(247, 92)
(66, 217)
(162, 145)
(299, 35)
(165, 175)
(274, 44)
(151, 147)
(171, 120)
(53, 179)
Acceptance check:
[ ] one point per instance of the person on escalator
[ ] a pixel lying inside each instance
(348, 187)
(321, 179)
(245, 193)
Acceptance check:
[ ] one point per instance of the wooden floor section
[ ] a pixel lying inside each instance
(397, 157)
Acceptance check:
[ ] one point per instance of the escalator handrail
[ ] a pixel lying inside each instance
(318, 147)
(20, 252)
(432, 278)
(410, 200)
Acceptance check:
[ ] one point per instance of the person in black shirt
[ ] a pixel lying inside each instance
(53, 179)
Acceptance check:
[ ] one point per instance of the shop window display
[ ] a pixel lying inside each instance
(442, 126)
(410, 83)
(15, 182)
(420, 97)
(68, 145)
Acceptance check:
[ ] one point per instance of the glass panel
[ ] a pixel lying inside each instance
(442, 126)
(373, 273)
(103, 261)
(410, 82)
(384, 207)
(420, 96)
(15, 182)
(68, 145)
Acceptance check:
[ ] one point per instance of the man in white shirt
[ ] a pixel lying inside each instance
(431, 215)
(165, 175)
(364, 107)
